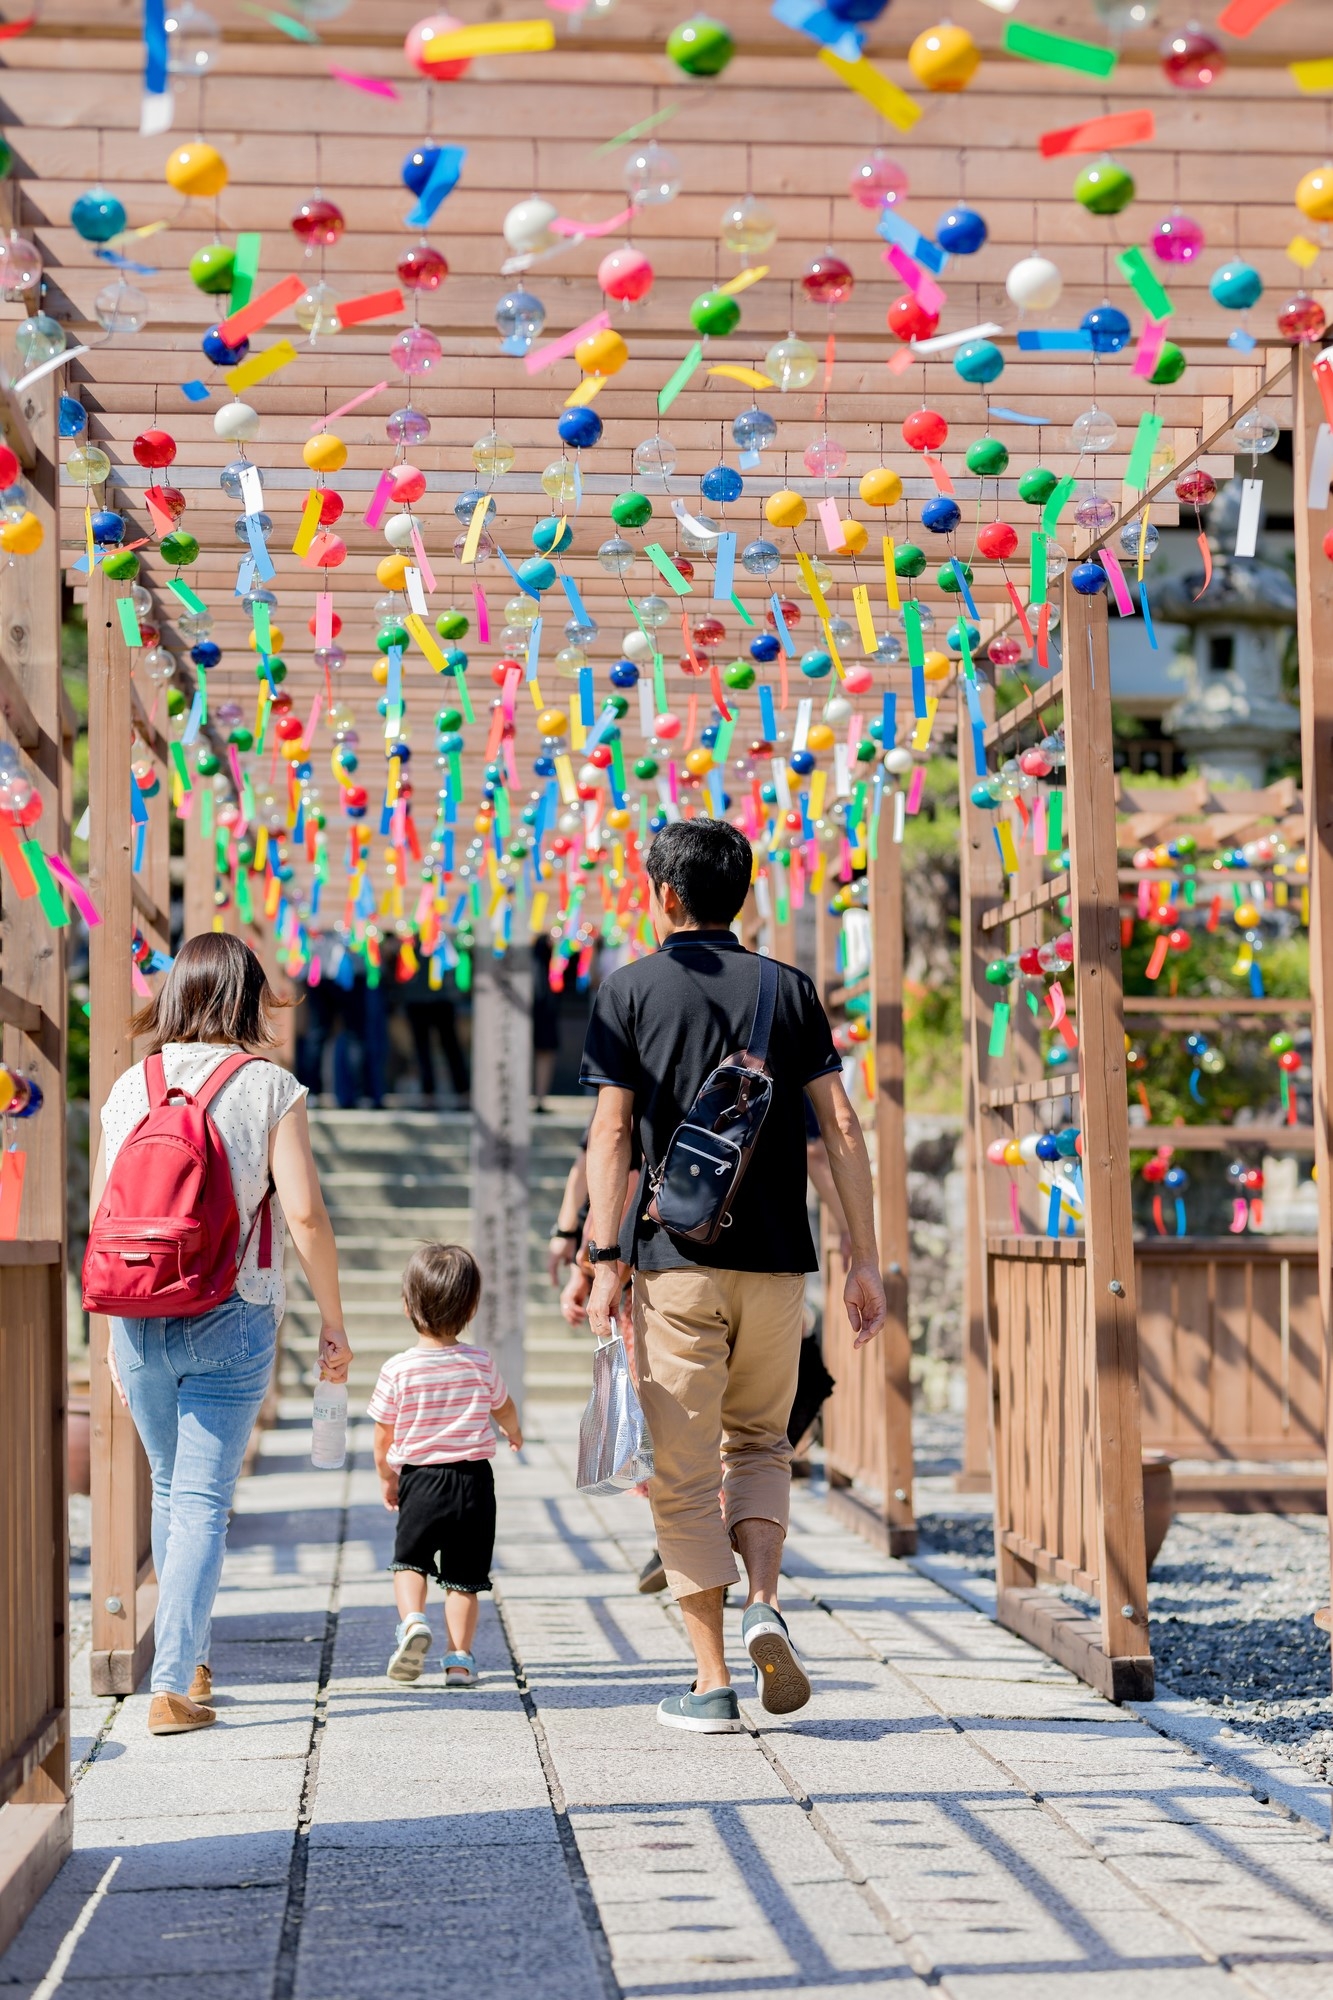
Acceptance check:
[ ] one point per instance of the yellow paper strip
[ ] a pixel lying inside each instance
(425, 638)
(391, 789)
(578, 734)
(261, 701)
(537, 701)
(305, 533)
(891, 577)
(752, 377)
(474, 528)
(1302, 251)
(1008, 856)
(925, 724)
(564, 772)
(1317, 74)
(589, 387)
(831, 646)
(1143, 540)
(537, 919)
(493, 38)
(865, 623)
(744, 279)
(876, 88)
(272, 897)
(261, 851)
(256, 367)
(818, 786)
(812, 584)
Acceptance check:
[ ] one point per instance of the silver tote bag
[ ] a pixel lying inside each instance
(615, 1450)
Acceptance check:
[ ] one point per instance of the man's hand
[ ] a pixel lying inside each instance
(863, 1296)
(607, 1280)
(389, 1487)
(559, 1256)
(574, 1298)
(335, 1354)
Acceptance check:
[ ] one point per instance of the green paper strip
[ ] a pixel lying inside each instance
(248, 800)
(502, 819)
(618, 763)
(206, 813)
(202, 683)
(659, 683)
(1050, 513)
(636, 131)
(999, 1029)
(243, 903)
(299, 31)
(1144, 283)
(783, 906)
(670, 389)
(664, 566)
(1062, 51)
(263, 626)
(245, 268)
(464, 698)
(1055, 820)
(178, 759)
(916, 652)
(456, 775)
(264, 714)
(722, 744)
(872, 845)
(1138, 472)
(741, 610)
(969, 665)
(53, 908)
(129, 621)
(189, 598)
(1037, 572)
(1033, 1008)
(1190, 887)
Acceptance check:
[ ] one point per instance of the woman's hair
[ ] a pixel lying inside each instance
(441, 1288)
(216, 991)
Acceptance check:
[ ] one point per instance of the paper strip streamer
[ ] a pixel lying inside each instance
(1247, 526)
(892, 595)
(724, 574)
(240, 325)
(940, 343)
(245, 268)
(44, 368)
(1150, 347)
(374, 86)
(1138, 472)
(78, 895)
(1060, 51)
(258, 367)
(1321, 469)
(865, 624)
(744, 279)
(1050, 513)
(11, 853)
(491, 38)
(1124, 603)
(48, 895)
(895, 228)
(1242, 17)
(780, 626)
(442, 181)
(13, 1166)
(918, 281)
(1053, 340)
(1206, 552)
(129, 621)
(1301, 250)
(1323, 380)
(576, 231)
(372, 305)
(751, 377)
(664, 566)
(1144, 283)
(1099, 135)
(1314, 75)
(1148, 626)
(999, 1030)
(556, 350)
(322, 423)
(878, 90)
(672, 387)
(588, 390)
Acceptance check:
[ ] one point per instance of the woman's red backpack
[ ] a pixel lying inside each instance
(164, 1241)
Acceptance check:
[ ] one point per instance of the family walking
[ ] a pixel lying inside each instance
(708, 1063)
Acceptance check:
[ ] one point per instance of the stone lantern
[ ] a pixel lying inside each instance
(1233, 718)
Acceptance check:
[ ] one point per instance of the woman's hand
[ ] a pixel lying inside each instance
(335, 1354)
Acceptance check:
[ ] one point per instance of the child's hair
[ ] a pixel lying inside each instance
(441, 1288)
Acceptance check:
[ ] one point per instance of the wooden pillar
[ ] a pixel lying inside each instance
(501, 1082)
(981, 882)
(895, 1342)
(1110, 1300)
(1314, 629)
(37, 1823)
(123, 1592)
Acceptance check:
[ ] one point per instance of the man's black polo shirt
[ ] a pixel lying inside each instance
(659, 1025)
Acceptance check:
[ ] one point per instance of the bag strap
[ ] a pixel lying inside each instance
(765, 1006)
(263, 1222)
(224, 1073)
(155, 1076)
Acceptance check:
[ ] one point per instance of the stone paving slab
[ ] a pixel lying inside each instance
(953, 1812)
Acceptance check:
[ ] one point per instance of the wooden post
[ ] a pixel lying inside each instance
(980, 882)
(895, 1342)
(501, 1083)
(1314, 630)
(1110, 1297)
(123, 1592)
(35, 1810)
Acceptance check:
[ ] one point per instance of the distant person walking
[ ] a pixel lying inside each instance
(717, 1328)
(194, 1382)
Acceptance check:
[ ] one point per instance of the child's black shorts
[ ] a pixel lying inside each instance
(446, 1523)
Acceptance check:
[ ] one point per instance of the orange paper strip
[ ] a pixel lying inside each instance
(374, 305)
(1099, 135)
(1242, 17)
(261, 310)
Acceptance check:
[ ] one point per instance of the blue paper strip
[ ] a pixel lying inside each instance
(768, 721)
(978, 727)
(526, 588)
(724, 576)
(587, 699)
(393, 687)
(443, 180)
(1001, 416)
(155, 47)
(577, 607)
(889, 722)
(140, 840)
(138, 806)
(1147, 615)
(198, 392)
(1053, 1211)
(964, 588)
(194, 720)
(1054, 340)
(918, 690)
(807, 17)
(894, 229)
(263, 561)
(245, 575)
(1241, 341)
(775, 606)
(534, 647)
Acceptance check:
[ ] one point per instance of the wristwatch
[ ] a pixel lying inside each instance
(608, 1253)
(565, 1235)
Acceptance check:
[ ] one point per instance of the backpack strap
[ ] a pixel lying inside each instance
(224, 1073)
(765, 1006)
(155, 1076)
(263, 1222)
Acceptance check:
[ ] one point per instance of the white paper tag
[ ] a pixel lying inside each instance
(646, 714)
(804, 710)
(1321, 471)
(842, 784)
(416, 595)
(1247, 527)
(252, 490)
(781, 783)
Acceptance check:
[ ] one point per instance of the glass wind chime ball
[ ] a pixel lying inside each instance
(791, 363)
(415, 351)
(1236, 287)
(1301, 320)
(877, 182)
(423, 268)
(318, 223)
(753, 430)
(652, 176)
(1192, 60)
(1177, 239)
(625, 275)
(97, 214)
(519, 318)
(748, 228)
(828, 279)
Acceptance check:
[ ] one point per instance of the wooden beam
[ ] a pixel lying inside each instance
(1025, 904)
(1210, 1138)
(14, 707)
(1314, 637)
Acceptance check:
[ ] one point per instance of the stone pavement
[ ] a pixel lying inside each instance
(953, 1812)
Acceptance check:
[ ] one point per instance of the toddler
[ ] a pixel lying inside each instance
(432, 1409)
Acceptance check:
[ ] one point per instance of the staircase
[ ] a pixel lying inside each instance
(395, 1178)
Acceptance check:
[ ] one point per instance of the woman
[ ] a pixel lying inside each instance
(194, 1386)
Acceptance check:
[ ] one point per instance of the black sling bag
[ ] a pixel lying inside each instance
(705, 1163)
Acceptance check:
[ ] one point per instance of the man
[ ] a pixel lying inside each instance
(718, 1327)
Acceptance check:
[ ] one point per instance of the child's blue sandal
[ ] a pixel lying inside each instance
(460, 1670)
(411, 1645)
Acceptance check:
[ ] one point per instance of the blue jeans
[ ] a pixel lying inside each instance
(195, 1387)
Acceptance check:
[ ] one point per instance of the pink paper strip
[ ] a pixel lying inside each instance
(916, 788)
(943, 483)
(374, 86)
(324, 618)
(78, 895)
(313, 723)
(379, 500)
(186, 806)
(322, 423)
(1124, 603)
(1150, 347)
(510, 689)
(562, 226)
(899, 363)
(918, 282)
(556, 350)
(427, 573)
(832, 526)
(1014, 1216)
(142, 990)
(483, 615)
(236, 769)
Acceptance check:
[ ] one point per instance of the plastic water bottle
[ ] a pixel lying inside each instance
(328, 1438)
